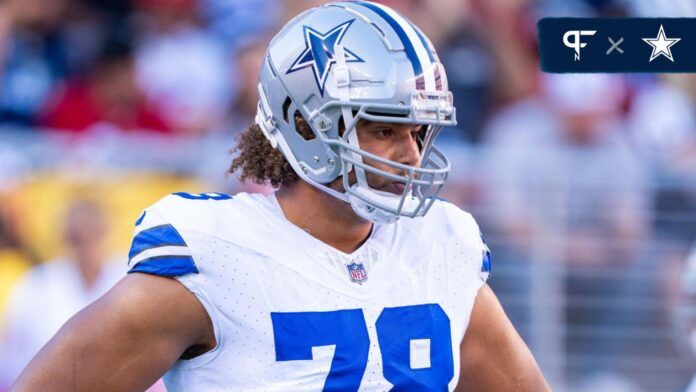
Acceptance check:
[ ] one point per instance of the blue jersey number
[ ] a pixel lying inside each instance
(396, 328)
(296, 333)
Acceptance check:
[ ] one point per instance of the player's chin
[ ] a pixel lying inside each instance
(396, 188)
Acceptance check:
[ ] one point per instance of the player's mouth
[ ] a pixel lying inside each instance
(396, 188)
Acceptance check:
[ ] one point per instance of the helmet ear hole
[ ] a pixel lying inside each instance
(302, 128)
(286, 108)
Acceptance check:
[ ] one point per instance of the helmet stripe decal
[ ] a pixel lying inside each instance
(433, 60)
(418, 55)
(424, 42)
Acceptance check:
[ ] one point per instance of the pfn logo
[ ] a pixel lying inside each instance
(576, 43)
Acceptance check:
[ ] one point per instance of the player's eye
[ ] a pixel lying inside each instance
(384, 132)
(419, 132)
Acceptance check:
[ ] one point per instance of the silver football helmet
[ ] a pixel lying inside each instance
(343, 62)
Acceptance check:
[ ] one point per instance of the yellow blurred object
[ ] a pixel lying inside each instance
(41, 203)
(12, 267)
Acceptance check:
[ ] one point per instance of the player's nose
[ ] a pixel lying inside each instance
(408, 150)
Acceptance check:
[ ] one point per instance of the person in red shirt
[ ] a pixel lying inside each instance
(107, 95)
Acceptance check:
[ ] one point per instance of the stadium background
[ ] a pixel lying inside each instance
(584, 186)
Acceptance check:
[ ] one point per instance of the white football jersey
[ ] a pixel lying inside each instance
(291, 313)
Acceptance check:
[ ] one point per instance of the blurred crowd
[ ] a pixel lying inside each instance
(598, 171)
(166, 66)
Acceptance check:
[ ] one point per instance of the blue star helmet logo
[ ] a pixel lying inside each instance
(319, 53)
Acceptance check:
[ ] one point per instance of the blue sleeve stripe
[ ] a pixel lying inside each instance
(140, 220)
(486, 264)
(155, 237)
(166, 266)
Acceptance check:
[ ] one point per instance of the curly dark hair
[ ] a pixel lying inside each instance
(257, 161)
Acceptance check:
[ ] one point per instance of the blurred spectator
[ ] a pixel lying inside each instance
(87, 29)
(241, 20)
(511, 43)
(47, 296)
(117, 10)
(292, 8)
(14, 257)
(249, 58)
(471, 78)
(663, 125)
(565, 179)
(460, 41)
(663, 122)
(686, 312)
(183, 68)
(107, 97)
(486, 67)
(662, 8)
(568, 144)
(32, 56)
(437, 19)
(14, 165)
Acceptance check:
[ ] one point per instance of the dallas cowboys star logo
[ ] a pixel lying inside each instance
(661, 45)
(319, 52)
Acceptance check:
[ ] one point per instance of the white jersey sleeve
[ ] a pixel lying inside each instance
(158, 247)
(169, 240)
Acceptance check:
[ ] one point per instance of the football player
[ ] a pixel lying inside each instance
(352, 276)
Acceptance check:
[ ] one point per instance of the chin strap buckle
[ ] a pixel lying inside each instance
(342, 77)
(341, 74)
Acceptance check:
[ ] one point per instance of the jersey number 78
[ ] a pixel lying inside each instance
(296, 333)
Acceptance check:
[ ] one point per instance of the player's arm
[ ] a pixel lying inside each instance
(493, 355)
(125, 341)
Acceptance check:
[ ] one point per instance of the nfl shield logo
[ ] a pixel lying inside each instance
(357, 272)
